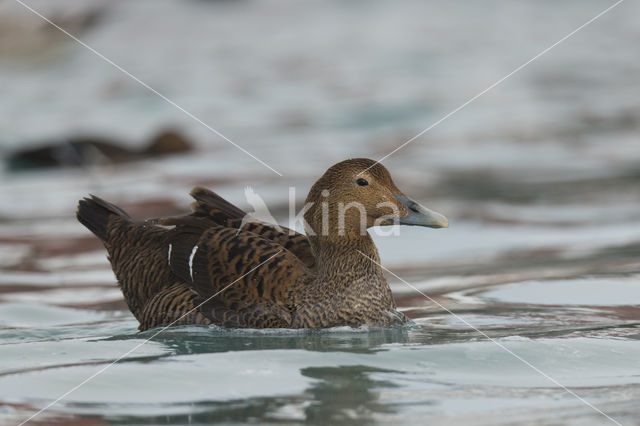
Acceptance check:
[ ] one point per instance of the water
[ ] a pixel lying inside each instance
(435, 369)
(532, 295)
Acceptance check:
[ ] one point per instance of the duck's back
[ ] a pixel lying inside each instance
(193, 269)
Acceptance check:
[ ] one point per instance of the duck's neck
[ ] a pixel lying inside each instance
(347, 260)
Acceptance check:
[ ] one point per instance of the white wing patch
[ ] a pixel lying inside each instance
(166, 227)
(169, 254)
(193, 253)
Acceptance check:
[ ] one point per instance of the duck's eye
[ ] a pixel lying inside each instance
(362, 182)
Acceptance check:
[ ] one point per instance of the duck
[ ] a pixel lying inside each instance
(84, 151)
(212, 266)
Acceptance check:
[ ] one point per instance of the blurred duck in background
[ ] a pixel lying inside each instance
(88, 151)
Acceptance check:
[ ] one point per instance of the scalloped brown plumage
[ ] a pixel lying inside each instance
(202, 269)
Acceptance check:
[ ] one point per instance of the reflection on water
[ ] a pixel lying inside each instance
(201, 339)
(357, 376)
(539, 178)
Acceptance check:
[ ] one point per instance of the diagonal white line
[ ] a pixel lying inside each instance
(496, 83)
(536, 369)
(133, 77)
(103, 369)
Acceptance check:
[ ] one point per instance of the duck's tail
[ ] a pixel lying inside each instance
(94, 213)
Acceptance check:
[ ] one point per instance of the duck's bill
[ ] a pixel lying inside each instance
(421, 216)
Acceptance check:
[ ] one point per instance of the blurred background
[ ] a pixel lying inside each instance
(539, 177)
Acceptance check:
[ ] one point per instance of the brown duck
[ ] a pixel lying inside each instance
(211, 267)
(87, 151)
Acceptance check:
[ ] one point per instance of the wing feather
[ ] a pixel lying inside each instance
(240, 278)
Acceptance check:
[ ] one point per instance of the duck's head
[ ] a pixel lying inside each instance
(358, 193)
(168, 142)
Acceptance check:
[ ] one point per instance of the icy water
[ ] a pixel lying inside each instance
(525, 311)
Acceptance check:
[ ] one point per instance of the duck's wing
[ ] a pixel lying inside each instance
(210, 205)
(240, 279)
